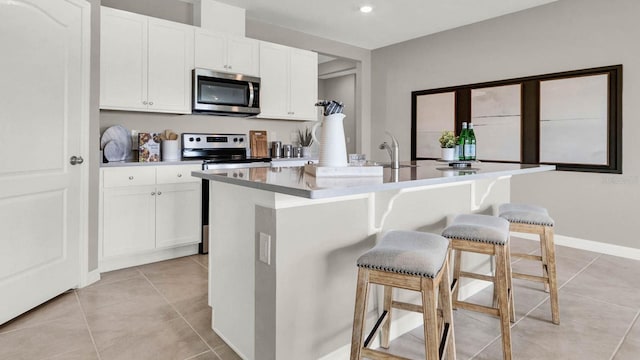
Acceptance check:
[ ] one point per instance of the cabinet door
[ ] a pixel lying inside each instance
(243, 56)
(123, 60)
(274, 75)
(178, 214)
(304, 84)
(210, 50)
(128, 220)
(170, 64)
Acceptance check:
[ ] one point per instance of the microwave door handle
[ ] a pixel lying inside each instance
(251, 94)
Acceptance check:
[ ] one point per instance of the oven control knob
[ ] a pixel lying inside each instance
(198, 139)
(235, 139)
(190, 139)
(241, 139)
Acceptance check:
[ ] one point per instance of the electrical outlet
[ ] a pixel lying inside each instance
(265, 248)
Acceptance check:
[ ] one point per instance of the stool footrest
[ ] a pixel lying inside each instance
(475, 307)
(476, 276)
(540, 279)
(406, 306)
(373, 332)
(527, 256)
(375, 354)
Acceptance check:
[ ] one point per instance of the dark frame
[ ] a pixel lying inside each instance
(530, 115)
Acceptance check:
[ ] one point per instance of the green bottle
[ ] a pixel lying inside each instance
(470, 145)
(462, 140)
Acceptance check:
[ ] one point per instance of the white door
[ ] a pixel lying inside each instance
(243, 55)
(178, 214)
(210, 50)
(44, 95)
(170, 63)
(123, 60)
(304, 84)
(274, 81)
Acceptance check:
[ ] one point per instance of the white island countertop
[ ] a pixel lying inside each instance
(294, 181)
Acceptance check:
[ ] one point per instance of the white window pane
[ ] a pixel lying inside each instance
(495, 114)
(434, 113)
(573, 120)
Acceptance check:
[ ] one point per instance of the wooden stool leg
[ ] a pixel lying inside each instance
(545, 262)
(384, 340)
(503, 299)
(444, 293)
(553, 281)
(430, 318)
(456, 275)
(360, 313)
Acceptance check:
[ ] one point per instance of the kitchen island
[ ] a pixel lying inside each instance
(284, 244)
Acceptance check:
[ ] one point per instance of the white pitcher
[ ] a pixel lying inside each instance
(333, 148)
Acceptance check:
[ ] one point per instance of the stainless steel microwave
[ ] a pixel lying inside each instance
(225, 94)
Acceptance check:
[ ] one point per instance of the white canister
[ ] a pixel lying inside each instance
(170, 150)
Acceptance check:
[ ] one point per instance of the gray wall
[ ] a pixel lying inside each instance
(565, 35)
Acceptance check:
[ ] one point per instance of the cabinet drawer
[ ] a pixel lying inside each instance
(176, 174)
(129, 176)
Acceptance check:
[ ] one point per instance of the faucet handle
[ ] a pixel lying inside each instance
(394, 141)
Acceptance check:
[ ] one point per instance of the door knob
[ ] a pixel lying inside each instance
(76, 160)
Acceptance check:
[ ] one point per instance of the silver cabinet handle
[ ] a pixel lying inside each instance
(150, 102)
(76, 160)
(159, 192)
(179, 175)
(230, 67)
(153, 193)
(144, 103)
(130, 177)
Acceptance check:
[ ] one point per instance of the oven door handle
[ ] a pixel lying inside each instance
(251, 94)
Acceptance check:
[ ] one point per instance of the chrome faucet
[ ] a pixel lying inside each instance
(393, 151)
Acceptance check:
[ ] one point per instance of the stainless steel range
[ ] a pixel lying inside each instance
(217, 151)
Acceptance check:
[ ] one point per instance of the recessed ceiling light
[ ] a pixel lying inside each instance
(366, 9)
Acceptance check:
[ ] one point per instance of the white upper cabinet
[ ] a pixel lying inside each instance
(289, 83)
(145, 63)
(221, 52)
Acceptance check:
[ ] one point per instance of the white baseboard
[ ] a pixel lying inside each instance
(589, 245)
(90, 278)
(120, 262)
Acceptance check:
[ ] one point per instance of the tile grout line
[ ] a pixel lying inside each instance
(202, 265)
(179, 314)
(196, 355)
(539, 304)
(624, 337)
(84, 317)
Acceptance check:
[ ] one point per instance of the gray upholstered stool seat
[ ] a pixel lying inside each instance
(532, 219)
(409, 260)
(407, 252)
(525, 214)
(481, 228)
(488, 235)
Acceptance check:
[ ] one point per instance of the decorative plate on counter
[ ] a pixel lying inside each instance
(116, 143)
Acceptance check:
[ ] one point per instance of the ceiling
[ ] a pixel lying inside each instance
(390, 22)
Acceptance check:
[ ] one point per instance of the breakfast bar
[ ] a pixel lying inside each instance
(284, 244)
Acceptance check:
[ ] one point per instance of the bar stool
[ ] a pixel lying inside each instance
(414, 261)
(487, 235)
(533, 219)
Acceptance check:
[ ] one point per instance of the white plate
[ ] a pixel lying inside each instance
(121, 136)
(113, 151)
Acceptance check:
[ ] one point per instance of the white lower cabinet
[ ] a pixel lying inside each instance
(148, 213)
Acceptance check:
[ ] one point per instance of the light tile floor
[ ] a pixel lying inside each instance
(160, 311)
